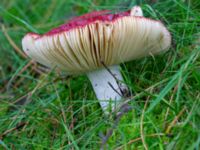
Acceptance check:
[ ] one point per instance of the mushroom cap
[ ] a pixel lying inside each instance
(82, 44)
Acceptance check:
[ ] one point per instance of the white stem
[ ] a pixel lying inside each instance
(110, 94)
(106, 88)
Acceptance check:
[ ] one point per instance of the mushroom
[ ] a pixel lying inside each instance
(95, 44)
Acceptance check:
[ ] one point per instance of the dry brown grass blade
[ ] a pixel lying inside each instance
(139, 139)
(18, 126)
(175, 121)
(18, 50)
(141, 124)
(12, 43)
(20, 72)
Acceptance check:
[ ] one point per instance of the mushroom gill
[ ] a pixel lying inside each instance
(83, 48)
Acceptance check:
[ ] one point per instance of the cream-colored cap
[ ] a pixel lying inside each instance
(84, 48)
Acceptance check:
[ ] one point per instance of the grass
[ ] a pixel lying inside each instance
(49, 111)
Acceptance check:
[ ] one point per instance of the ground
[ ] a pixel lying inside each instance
(41, 109)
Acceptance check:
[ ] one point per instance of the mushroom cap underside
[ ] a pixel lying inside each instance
(84, 48)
